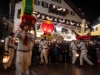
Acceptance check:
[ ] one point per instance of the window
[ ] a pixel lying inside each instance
(96, 28)
(67, 11)
(58, 1)
(72, 13)
(19, 12)
(36, 2)
(44, 4)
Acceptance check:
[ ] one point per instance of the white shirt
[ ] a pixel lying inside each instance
(41, 44)
(82, 46)
(8, 42)
(20, 35)
(73, 46)
(44, 44)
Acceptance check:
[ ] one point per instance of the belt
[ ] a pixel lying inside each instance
(45, 48)
(83, 49)
(24, 50)
(10, 47)
(74, 49)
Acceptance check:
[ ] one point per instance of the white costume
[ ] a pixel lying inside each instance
(74, 51)
(9, 46)
(24, 52)
(44, 52)
(84, 54)
(40, 46)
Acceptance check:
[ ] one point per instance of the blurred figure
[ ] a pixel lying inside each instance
(65, 51)
(9, 48)
(74, 51)
(94, 51)
(83, 54)
(90, 50)
(1, 50)
(44, 52)
(98, 54)
(24, 51)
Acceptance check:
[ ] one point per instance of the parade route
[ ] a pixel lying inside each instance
(58, 69)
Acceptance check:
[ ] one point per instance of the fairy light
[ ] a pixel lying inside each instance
(59, 9)
(71, 23)
(43, 16)
(38, 15)
(54, 6)
(64, 9)
(49, 18)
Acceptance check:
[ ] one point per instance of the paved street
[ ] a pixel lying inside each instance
(58, 69)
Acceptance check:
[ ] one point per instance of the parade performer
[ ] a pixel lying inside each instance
(24, 50)
(74, 51)
(40, 47)
(9, 48)
(83, 54)
(44, 52)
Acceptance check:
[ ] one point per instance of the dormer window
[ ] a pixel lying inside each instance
(36, 2)
(72, 13)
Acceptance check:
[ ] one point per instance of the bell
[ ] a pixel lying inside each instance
(6, 59)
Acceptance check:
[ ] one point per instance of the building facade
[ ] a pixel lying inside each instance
(63, 14)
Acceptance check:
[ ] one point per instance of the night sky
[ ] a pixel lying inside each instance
(4, 8)
(89, 6)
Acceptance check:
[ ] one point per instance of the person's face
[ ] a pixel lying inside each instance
(26, 27)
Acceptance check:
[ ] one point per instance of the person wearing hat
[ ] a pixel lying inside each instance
(84, 51)
(24, 51)
(74, 51)
(9, 49)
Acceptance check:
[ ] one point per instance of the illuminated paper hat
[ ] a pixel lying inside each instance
(26, 13)
(28, 20)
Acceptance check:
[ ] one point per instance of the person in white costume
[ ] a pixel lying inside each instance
(41, 45)
(44, 52)
(9, 48)
(83, 54)
(74, 51)
(24, 51)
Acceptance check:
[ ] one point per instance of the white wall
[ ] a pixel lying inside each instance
(63, 4)
(94, 27)
(40, 9)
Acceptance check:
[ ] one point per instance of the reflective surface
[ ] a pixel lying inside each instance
(57, 69)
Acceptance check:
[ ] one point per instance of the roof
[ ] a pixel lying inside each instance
(75, 9)
(72, 6)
